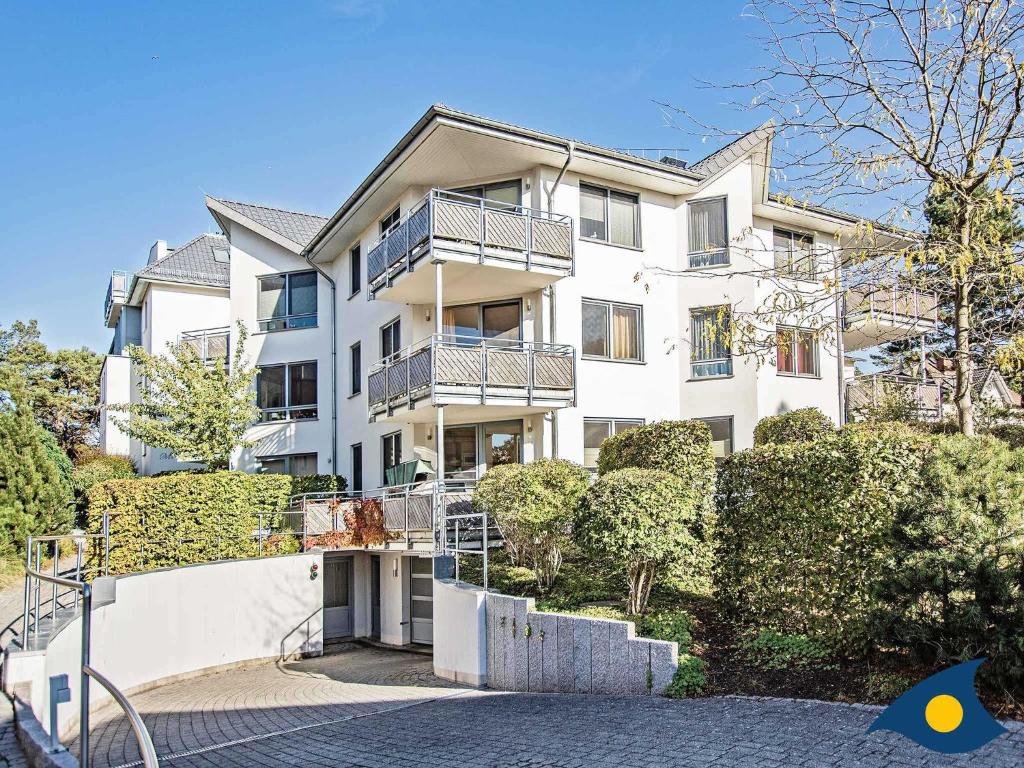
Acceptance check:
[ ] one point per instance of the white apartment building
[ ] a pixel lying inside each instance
(504, 294)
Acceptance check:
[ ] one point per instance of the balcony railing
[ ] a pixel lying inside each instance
(117, 292)
(209, 345)
(474, 226)
(884, 391)
(896, 304)
(487, 370)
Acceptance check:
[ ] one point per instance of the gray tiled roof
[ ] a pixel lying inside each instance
(297, 227)
(192, 263)
(721, 158)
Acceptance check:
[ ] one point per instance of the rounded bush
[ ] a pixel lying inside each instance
(642, 519)
(1011, 434)
(682, 448)
(796, 426)
(99, 469)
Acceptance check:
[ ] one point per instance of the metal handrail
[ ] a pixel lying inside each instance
(145, 742)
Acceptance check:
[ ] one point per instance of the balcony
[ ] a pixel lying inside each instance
(882, 392)
(209, 345)
(491, 249)
(879, 314)
(517, 377)
(117, 295)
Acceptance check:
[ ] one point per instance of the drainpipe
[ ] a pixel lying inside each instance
(334, 363)
(570, 150)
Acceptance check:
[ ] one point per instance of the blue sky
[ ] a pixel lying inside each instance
(116, 117)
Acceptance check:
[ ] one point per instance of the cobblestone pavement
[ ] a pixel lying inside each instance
(367, 708)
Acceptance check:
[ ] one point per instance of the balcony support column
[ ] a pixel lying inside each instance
(438, 296)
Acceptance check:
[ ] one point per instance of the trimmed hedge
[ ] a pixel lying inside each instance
(805, 529)
(318, 484)
(183, 518)
(98, 469)
(797, 426)
(1011, 434)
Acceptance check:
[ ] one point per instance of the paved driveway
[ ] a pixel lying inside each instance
(367, 707)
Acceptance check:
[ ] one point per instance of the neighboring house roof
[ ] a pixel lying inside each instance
(295, 226)
(722, 158)
(193, 263)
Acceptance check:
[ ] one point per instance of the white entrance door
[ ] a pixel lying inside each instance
(337, 597)
(421, 600)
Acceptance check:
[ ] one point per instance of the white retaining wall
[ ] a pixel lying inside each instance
(460, 632)
(174, 622)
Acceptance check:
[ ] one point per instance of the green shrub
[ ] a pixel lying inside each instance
(955, 589)
(594, 612)
(98, 469)
(533, 506)
(675, 626)
(797, 426)
(184, 518)
(318, 484)
(806, 529)
(775, 650)
(60, 460)
(642, 519)
(886, 686)
(689, 679)
(1011, 434)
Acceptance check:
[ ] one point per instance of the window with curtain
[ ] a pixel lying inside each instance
(287, 392)
(612, 331)
(286, 301)
(708, 233)
(468, 323)
(609, 215)
(796, 352)
(595, 431)
(711, 347)
(794, 254)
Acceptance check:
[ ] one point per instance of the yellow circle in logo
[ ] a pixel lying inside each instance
(944, 713)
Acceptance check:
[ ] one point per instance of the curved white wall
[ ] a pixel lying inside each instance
(177, 621)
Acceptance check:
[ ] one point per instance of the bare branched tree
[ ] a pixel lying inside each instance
(911, 112)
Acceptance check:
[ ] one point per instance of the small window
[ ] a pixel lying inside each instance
(609, 215)
(721, 436)
(391, 339)
(711, 342)
(296, 464)
(356, 479)
(595, 431)
(794, 254)
(355, 271)
(708, 233)
(797, 352)
(390, 223)
(612, 331)
(287, 392)
(356, 365)
(286, 301)
(391, 453)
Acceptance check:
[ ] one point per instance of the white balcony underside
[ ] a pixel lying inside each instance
(871, 330)
(465, 409)
(466, 279)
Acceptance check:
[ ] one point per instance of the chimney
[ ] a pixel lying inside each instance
(158, 251)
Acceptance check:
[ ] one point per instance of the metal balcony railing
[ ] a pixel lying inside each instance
(897, 304)
(209, 345)
(117, 292)
(489, 369)
(880, 390)
(477, 227)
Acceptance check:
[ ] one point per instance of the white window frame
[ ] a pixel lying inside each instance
(389, 329)
(732, 432)
(352, 449)
(390, 223)
(794, 332)
(609, 330)
(355, 270)
(355, 384)
(718, 367)
(287, 458)
(287, 410)
(790, 269)
(395, 438)
(613, 423)
(287, 319)
(607, 239)
(709, 259)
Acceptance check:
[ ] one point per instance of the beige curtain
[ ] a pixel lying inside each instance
(625, 334)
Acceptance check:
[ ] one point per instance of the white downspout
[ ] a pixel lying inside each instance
(334, 364)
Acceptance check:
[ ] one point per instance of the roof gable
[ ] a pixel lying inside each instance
(296, 227)
(193, 263)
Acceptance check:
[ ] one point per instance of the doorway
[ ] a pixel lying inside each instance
(375, 597)
(471, 449)
(421, 600)
(338, 594)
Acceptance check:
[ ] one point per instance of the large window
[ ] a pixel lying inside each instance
(708, 233)
(391, 339)
(608, 215)
(287, 392)
(356, 480)
(711, 344)
(502, 194)
(612, 331)
(286, 301)
(467, 323)
(356, 368)
(721, 436)
(473, 448)
(797, 352)
(391, 453)
(295, 464)
(794, 254)
(355, 271)
(596, 431)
